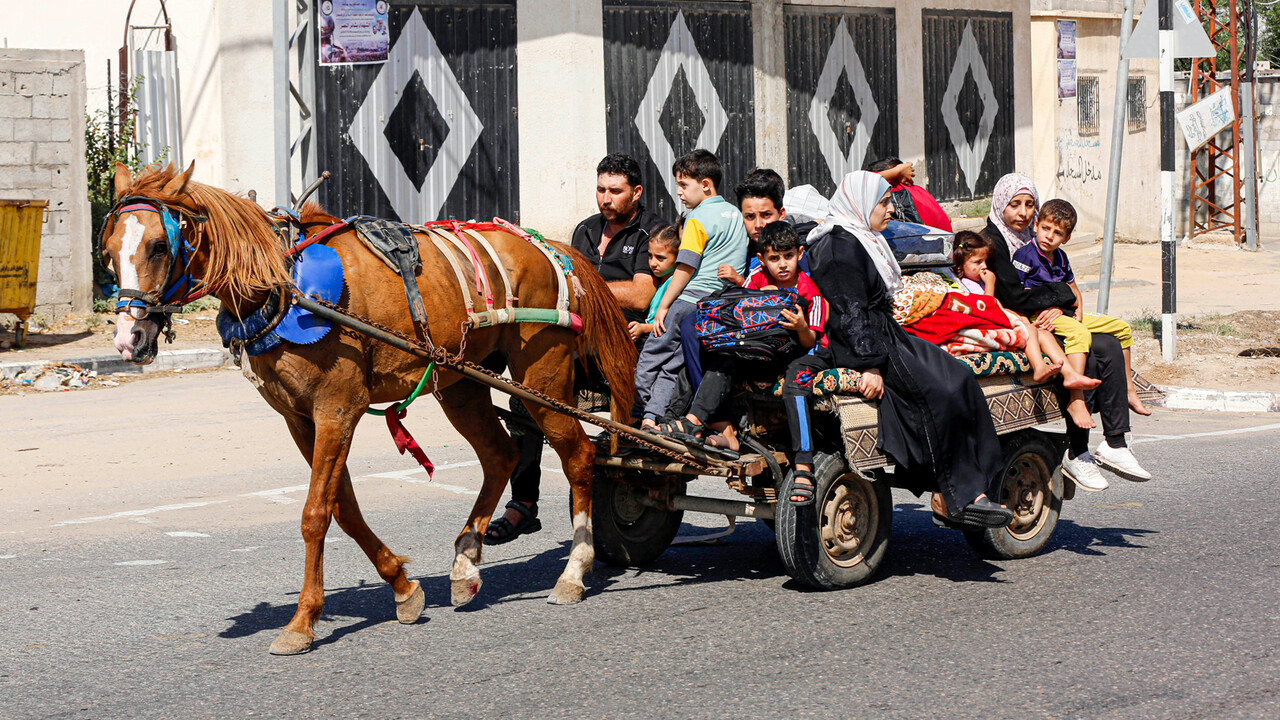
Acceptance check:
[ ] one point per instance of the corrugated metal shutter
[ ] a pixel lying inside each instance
(678, 76)
(968, 101)
(842, 91)
(433, 132)
(159, 129)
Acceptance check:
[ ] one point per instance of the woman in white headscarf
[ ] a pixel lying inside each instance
(1011, 224)
(934, 422)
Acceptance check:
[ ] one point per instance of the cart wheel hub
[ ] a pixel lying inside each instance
(848, 517)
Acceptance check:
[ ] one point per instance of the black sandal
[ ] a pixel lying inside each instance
(503, 531)
(684, 430)
(805, 493)
(985, 513)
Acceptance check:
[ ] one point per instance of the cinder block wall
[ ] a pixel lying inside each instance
(42, 156)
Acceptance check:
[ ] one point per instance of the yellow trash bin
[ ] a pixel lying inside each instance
(20, 225)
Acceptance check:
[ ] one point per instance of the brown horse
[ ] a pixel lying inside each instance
(323, 389)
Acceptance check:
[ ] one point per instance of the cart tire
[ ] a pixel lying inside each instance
(840, 540)
(1032, 488)
(626, 533)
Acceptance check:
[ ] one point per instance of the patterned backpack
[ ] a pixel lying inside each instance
(746, 324)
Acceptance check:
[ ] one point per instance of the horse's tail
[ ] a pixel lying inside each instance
(604, 335)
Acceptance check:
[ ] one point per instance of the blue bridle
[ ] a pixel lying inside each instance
(180, 250)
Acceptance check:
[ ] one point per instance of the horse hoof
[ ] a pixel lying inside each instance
(291, 643)
(408, 609)
(464, 590)
(566, 593)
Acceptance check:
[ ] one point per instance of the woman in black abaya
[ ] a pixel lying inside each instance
(934, 422)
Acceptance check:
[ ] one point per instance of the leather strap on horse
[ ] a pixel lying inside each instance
(396, 242)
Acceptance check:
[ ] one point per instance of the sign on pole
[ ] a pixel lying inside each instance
(1204, 120)
(1188, 39)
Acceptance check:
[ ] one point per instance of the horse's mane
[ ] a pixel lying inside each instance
(243, 252)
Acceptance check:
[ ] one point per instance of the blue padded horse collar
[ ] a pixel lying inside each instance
(317, 272)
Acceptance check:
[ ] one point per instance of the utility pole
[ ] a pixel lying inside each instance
(1168, 250)
(1113, 168)
(1248, 127)
(280, 66)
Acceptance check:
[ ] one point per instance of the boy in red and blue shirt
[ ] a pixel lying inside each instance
(779, 253)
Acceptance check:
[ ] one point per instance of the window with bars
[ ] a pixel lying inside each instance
(1137, 105)
(1087, 105)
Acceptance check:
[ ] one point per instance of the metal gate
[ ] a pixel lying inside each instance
(678, 76)
(431, 133)
(968, 101)
(842, 91)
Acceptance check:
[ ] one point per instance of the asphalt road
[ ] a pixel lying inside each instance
(150, 552)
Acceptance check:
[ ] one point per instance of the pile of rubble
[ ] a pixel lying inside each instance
(56, 377)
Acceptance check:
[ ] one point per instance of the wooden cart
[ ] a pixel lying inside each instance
(841, 540)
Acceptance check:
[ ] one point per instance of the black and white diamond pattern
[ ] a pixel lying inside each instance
(842, 56)
(415, 53)
(679, 53)
(969, 154)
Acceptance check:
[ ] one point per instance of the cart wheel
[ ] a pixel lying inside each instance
(626, 533)
(20, 334)
(840, 540)
(1032, 488)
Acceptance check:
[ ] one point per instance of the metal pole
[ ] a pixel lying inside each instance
(280, 86)
(1248, 126)
(1248, 170)
(1113, 168)
(1168, 250)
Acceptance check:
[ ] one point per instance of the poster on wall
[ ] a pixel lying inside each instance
(1066, 59)
(353, 32)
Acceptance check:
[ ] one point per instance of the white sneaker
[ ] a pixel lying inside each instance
(1083, 472)
(1121, 462)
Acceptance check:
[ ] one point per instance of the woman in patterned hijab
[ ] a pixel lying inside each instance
(1014, 204)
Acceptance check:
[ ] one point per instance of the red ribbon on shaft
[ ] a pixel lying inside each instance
(405, 442)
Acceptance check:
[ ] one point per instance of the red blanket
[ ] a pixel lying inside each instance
(970, 323)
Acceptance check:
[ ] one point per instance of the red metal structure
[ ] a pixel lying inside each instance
(1217, 181)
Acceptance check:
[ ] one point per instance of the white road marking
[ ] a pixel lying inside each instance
(1216, 433)
(251, 548)
(132, 563)
(144, 520)
(185, 533)
(138, 513)
(553, 469)
(278, 495)
(7, 557)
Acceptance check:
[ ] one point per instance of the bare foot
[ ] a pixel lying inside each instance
(1135, 404)
(1046, 371)
(1079, 413)
(1080, 382)
(723, 441)
(648, 425)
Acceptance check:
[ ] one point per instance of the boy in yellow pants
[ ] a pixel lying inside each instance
(1042, 262)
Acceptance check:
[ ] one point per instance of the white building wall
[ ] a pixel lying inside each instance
(224, 64)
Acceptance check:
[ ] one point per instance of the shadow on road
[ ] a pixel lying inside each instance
(1085, 540)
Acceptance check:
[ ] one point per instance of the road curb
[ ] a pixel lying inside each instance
(1236, 401)
(190, 359)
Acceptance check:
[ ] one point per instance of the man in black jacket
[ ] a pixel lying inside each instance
(616, 240)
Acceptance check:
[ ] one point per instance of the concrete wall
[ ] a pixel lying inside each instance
(42, 156)
(1074, 165)
(1268, 158)
(560, 59)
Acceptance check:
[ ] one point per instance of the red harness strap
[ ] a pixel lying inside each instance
(405, 442)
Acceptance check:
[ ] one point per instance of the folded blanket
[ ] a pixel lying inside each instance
(970, 323)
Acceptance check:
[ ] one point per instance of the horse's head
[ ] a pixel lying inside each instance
(145, 243)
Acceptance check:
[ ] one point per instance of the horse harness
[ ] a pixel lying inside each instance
(140, 304)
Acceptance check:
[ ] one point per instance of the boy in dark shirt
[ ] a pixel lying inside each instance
(1042, 263)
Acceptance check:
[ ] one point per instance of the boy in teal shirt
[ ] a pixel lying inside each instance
(663, 248)
(713, 235)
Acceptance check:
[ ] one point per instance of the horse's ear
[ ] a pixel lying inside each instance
(179, 183)
(124, 178)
